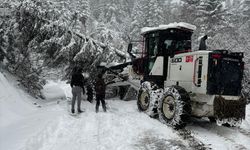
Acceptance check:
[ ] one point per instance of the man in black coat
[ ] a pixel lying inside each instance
(77, 83)
(100, 88)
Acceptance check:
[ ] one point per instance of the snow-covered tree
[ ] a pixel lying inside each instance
(155, 13)
(138, 19)
(189, 13)
(2, 43)
(110, 23)
(172, 11)
(211, 17)
(189, 10)
(43, 34)
(146, 14)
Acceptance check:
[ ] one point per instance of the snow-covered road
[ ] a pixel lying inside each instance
(123, 127)
(220, 137)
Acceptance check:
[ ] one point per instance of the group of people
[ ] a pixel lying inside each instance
(77, 84)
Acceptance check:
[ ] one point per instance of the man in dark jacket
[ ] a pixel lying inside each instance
(76, 84)
(100, 88)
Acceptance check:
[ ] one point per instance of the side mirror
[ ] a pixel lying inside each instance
(129, 51)
(171, 53)
(129, 48)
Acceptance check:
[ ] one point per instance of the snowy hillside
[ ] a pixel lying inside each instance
(30, 125)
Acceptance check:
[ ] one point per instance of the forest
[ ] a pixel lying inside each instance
(46, 38)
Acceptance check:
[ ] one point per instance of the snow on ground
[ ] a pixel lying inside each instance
(24, 126)
(11, 96)
(120, 128)
(220, 137)
(51, 91)
(51, 126)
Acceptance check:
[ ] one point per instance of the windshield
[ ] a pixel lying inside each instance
(176, 41)
(178, 46)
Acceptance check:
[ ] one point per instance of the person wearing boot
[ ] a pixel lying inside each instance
(100, 88)
(76, 84)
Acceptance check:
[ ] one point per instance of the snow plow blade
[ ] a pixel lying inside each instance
(224, 108)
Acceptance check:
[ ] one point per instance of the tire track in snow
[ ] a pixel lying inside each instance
(83, 131)
(244, 131)
(227, 141)
(111, 132)
(149, 140)
(58, 134)
(235, 143)
(227, 134)
(98, 131)
(193, 142)
(44, 137)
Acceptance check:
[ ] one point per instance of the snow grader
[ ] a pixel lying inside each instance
(175, 83)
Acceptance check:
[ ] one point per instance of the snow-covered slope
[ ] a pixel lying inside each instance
(24, 126)
(20, 118)
(13, 102)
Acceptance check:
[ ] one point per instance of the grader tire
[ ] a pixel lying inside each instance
(174, 107)
(145, 103)
(122, 91)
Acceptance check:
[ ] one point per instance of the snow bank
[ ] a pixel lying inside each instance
(246, 123)
(13, 101)
(20, 119)
(51, 91)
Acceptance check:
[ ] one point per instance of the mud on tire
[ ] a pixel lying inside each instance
(174, 107)
(148, 98)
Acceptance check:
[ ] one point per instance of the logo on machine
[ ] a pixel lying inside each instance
(176, 60)
(189, 58)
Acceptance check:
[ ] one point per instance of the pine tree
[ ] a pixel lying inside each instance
(138, 19)
(172, 12)
(38, 35)
(2, 43)
(189, 10)
(234, 35)
(155, 13)
(111, 24)
(211, 17)
(146, 14)
(81, 15)
(245, 34)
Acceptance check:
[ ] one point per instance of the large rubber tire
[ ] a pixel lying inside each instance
(232, 122)
(122, 91)
(174, 107)
(148, 98)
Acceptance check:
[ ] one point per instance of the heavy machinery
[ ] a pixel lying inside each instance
(176, 82)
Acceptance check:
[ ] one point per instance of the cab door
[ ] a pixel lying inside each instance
(154, 61)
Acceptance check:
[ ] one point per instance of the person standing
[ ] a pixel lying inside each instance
(100, 88)
(77, 84)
